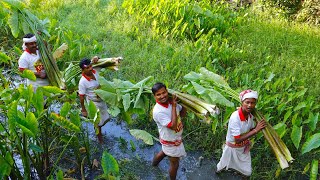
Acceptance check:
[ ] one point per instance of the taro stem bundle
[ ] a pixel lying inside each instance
(200, 108)
(73, 71)
(214, 81)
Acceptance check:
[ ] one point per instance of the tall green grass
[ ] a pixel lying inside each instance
(291, 49)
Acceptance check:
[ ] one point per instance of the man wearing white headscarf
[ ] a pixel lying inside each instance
(30, 59)
(236, 151)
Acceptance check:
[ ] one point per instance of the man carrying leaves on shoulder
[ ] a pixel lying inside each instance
(167, 114)
(87, 84)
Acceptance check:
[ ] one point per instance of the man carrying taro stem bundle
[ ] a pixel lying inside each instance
(236, 152)
(87, 84)
(167, 113)
(30, 59)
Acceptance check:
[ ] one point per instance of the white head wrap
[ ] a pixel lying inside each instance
(248, 94)
(28, 40)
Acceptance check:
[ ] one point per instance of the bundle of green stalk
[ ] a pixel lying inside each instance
(199, 107)
(73, 71)
(30, 23)
(218, 86)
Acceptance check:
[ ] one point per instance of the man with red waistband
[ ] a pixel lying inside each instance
(167, 113)
(236, 152)
(30, 59)
(87, 84)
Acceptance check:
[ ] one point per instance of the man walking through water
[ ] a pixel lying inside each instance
(167, 114)
(236, 152)
(30, 59)
(87, 84)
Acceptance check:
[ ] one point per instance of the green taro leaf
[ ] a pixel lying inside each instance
(108, 97)
(114, 111)
(296, 135)
(59, 175)
(4, 58)
(213, 77)
(64, 123)
(52, 89)
(192, 76)
(313, 120)
(106, 85)
(109, 164)
(281, 129)
(65, 109)
(29, 75)
(126, 101)
(92, 110)
(287, 115)
(38, 101)
(300, 106)
(314, 169)
(6, 164)
(143, 135)
(13, 22)
(311, 143)
(36, 148)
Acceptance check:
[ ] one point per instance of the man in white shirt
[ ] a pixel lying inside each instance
(236, 152)
(30, 59)
(87, 84)
(167, 114)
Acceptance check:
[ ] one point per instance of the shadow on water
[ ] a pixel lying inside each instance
(135, 157)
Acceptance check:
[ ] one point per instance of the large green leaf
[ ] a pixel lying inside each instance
(92, 109)
(75, 118)
(6, 163)
(313, 120)
(109, 164)
(126, 101)
(143, 135)
(311, 143)
(192, 76)
(38, 101)
(28, 124)
(108, 97)
(296, 135)
(13, 22)
(213, 77)
(114, 111)
(64, 123)
(12, 115)
(314, 169)
(212, 96)
(29, 75)
(4, 58)
(65, 109)
(52, 89)
(300, 105)
(106, 85)
(281, 129)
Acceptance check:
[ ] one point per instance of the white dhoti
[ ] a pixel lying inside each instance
(235, 158)
(174, 151)
(104, 115)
